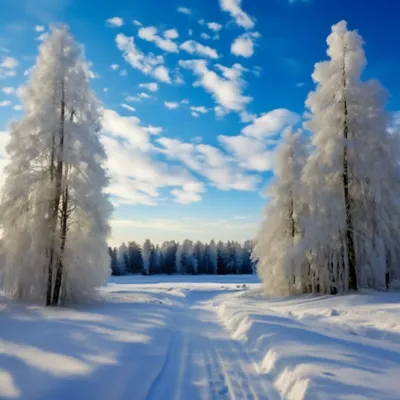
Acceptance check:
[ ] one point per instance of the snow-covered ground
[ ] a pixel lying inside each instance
(215, 337)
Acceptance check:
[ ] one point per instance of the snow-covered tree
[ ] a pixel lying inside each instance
(53, 211)
(281, 227)
(123, 258)
(147, 251)
(352, 176)
(135, 258)
(186, 262)
(211, 258)
(200, 254)
(168, 254)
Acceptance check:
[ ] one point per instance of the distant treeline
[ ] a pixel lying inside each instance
(182, 258)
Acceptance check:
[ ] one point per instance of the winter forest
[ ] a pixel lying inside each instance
(332, 219)
(182, 258)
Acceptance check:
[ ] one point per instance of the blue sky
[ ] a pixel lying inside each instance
(196, 94)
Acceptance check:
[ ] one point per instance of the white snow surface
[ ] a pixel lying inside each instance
(202, 337)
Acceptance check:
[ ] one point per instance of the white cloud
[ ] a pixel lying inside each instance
(171, 105)
(152, 86)
(249, 152)
(5, 103)
(184, 10)
(233, 7)
(162, 74)
(149, 64)
(271, 123)
(128, 107)
(8, 90)
(179, 229)
(42, 37)
(214, 26)
(192, 47)
(202, 22)
(114, 66)
(199, 109)
(185, 101)
(221, 170)
(18, 107)
(105, 89)
(149, 33)
(9, 63)
(123, 72)
(136, 22)
(195, 114)
(205, 36)
(299, 84)
(190, 193)
(115, 22)
(171, 34)
(39, 28)
(256, 70)
(226, 89)
(244, 45)
(143, 95)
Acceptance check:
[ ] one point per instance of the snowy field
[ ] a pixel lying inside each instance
(204, 337)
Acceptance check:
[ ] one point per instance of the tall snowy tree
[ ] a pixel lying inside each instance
(211, 257)
(123, 258)
(186, 262)
(53, 211)
(351, 177)
(147, 251)
(281, 227)
(135, 258)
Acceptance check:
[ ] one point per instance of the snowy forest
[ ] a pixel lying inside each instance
(182, 258)
(333, 220)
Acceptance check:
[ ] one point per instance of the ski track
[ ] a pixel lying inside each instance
(203, 362)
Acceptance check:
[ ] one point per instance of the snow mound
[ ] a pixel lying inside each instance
(320, 348)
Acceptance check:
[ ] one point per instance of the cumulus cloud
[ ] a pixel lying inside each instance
(5, 103)
(136, 22)
(171, 34)
(8, 90)
(221, 170)
(115, 22)
(214, 26)
(9, 63)
(233, 7)
(250, 153)
(244, 45)
(149, 33)
(152, 86)
(192, 47)
(184, 10)
(149, 64)
(114, 66)
(137, 174)
(271, 123)
(227, 90)
(171, 105)
(39, 28)
(205, 36)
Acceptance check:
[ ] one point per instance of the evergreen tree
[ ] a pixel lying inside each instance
(53, 211)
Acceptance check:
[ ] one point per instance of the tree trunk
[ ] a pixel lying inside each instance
(57, 195)
(347, 200)
(60, 264)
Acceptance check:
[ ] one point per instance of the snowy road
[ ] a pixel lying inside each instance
(195, 338)
(155, 341)
(202, 361)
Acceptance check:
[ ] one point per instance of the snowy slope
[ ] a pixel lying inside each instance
(343, 347)
(161, 338)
